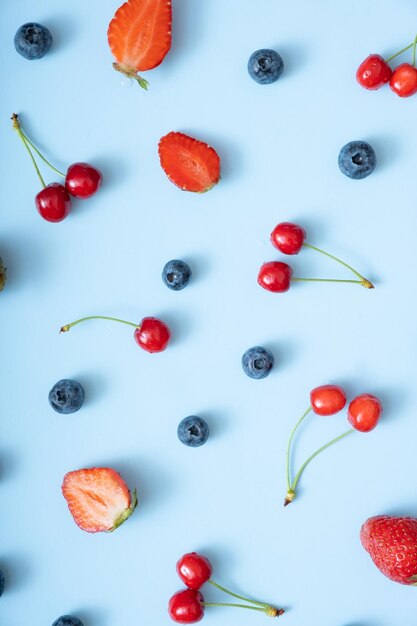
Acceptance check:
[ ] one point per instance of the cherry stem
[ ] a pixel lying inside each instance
(414, 51)
(335, 258)
(291, 492)
(66, 328)
(400, 52)
(16, 127)
(44, 159)
(290, 442)
(331, 280)
(235, 595)
(268, 610)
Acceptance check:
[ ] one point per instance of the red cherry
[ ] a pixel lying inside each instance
(53, 202)
(373, 72)
(275, 276)
(327, 399)
(288, 238)
(185, 606)
(364, 412)
(194, 570)
(152, 335)
(83, 180)
(404, 80)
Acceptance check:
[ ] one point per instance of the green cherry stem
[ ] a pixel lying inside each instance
(292, 490)
(304, 415)
(66, 327)
(364, 281)
(268, 610)
(397, 54)
(334, 280)
(235, 595)
(40, 155)
(414, 51)
(16, 127)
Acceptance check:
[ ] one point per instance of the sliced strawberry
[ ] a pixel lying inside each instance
(98, 499)
(190, 164)
(139, 36)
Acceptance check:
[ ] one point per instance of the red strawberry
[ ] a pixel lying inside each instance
(190, 164)
(139, 36)
(98, 499)
(392, 543)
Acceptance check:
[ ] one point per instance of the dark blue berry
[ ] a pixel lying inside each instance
(66, 396)
(32, 41)
(176, 274)
(265, 66)
(67, 620)
(2, 582)
(257, 362)
(357, 159)
(193, 431)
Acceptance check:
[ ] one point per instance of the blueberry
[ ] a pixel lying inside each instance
(2, 275)
(176, 274)
(357, 159)
(193, 431)
(2, 583)
(32, 41)
(265, 66)
(66, 396)
(68, 620)
(257, 362)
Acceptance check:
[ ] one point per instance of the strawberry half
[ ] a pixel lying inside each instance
(139, 36)
(392, 543)
(190, 164)
(98, 499)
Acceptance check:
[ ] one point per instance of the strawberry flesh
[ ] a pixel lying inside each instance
(98, 499)
(392, 544)
(189, 163)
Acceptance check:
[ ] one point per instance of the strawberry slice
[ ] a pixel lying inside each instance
(139, 36)
(98, 499)
(190, 164)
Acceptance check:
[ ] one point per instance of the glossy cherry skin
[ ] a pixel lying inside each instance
(194, 570)
(364, 412)
(152, 335)
(53, 202)
(275, 276)
(185, 606)
(288, 238)
(83, 180)
(404, 80)
(373, 72)
(327, 399)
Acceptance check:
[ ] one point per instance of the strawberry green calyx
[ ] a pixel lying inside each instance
(132, 74)
(127, 513)
(3, 275)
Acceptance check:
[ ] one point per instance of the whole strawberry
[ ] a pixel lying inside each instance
(392, 543)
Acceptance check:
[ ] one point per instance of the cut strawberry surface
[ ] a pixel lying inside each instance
(139, 36)
(189, 163)
(98, 499)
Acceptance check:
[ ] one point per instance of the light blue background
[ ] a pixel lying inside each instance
(279, 147)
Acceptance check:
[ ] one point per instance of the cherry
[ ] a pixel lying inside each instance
(151, 334)
(185, 607)
(327, 399)
(373, 72)
(404, 80)
(83, 180)
(288, 237)
(53, 202)
(364, 412)
(275, 276)
(194, 570)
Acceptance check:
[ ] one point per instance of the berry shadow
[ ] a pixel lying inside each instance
(23, 260)
(388, 148)
(190, 19)
(8, 465)
(89, 617)
(181, 325)
(94, 385)
(231, 157)
(218, 422)
(200, 266)
(115, 170)
(17, 571)
(294, 55)
(64, 30)
(283, 352)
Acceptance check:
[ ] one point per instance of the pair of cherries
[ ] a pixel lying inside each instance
(151, 334)
(187, 605)
(53, 202)
(374, 72)
(363, 414)
(289, 239)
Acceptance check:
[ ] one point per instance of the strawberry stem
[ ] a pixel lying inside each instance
(398, 53)
(268, 610)
(304, 415)
(66, 327)
(132, 74)
(44, 159)
(16, 127)
(235, 595)
(335, 258)
(292, 491)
